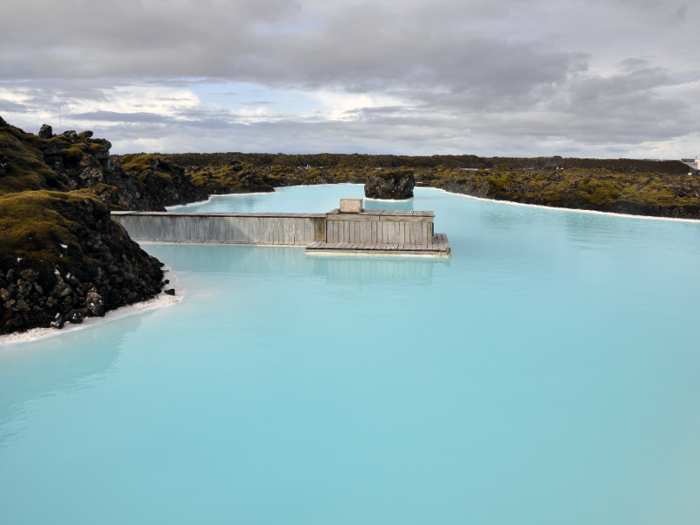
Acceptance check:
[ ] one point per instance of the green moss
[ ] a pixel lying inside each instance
(138, 163)
(96, 147)
(26, 169)
(73, 155)
(33, 225)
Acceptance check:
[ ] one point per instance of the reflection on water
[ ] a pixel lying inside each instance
(294, 261)
(56, 366)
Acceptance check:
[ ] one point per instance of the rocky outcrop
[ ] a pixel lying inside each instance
(162, 182)
(390, 184)
(63, 259)
(46, 132)
(75, 161)
(135, 182)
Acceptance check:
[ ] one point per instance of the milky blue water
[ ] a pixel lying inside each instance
(549, 373)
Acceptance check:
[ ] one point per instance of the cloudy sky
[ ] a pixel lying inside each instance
(600, 78)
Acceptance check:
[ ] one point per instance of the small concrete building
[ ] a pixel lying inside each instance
(694, 164)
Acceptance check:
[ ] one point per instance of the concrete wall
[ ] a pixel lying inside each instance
(299, 229)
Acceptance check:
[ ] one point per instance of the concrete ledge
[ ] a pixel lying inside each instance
(440, 247)
(216, 214)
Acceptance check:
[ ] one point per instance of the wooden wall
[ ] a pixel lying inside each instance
(380, 227)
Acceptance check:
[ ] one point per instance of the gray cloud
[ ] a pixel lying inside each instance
(589, 73)
(113, 116)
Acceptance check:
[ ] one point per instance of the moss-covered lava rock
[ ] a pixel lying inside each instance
(63, 259)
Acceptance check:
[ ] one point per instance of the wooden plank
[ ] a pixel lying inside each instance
(404, 218)
(366, 232)
(354, 217)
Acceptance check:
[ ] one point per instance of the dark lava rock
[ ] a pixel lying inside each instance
(77, 316)
(95, 304)
(46, 132)
(170, 291)
(390, 184)
(67, 262)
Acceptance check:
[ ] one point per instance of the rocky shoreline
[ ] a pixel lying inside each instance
(635, 187)
(62, 258)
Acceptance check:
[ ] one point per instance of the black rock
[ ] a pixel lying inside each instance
(58, 322)
(95, 304)
(390, 184)
(46, 132)
(29, 275)
(170, 291)
(76, 316)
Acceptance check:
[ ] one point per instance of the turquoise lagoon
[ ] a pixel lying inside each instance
(549, 373)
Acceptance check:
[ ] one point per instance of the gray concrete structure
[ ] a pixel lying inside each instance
(300, 229)
(370, 232)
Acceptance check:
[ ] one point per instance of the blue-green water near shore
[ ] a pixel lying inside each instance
(549, 373)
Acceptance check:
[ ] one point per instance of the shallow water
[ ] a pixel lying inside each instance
(546, 374)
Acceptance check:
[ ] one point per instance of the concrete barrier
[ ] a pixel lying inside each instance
(294, 229)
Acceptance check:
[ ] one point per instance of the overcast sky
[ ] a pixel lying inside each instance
(598, 78)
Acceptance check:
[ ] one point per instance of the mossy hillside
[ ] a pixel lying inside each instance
(63, 258)
(139, 165)
(195, 161)
(603, 190)
(235, 178)
(160, 181)
(246, 178)
(648, 193)
(45, 228)
(26, 169)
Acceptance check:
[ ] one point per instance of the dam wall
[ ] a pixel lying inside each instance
(292, 229)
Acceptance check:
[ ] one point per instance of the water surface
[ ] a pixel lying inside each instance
(546, 374)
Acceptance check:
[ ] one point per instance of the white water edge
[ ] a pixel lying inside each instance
(160, 301)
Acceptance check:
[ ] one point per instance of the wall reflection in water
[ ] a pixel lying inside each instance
(290, 261)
